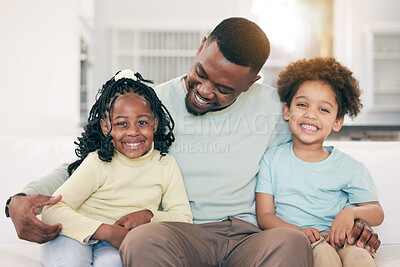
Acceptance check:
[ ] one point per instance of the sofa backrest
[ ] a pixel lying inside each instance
(383, 161)
(25, 160)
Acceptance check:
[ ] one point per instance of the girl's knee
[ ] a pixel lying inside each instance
(109, 261)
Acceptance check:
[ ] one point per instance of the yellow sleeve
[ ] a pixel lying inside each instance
(175, 204)
(79, 187)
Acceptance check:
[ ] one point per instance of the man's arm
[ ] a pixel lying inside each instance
(49, 183)
(23, 209)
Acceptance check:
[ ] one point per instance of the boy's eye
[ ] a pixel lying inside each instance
(324, 110)
(301, 105)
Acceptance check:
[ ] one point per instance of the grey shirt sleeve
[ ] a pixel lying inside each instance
(48, 184)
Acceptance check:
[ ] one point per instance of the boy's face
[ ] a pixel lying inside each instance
(133, 125)
(213, 82)
(312, 113)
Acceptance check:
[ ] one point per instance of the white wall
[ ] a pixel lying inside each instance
(176, 14)
(351, 19)
(39, 67)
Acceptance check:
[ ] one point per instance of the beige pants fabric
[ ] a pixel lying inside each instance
(324, 255)
(228, 243)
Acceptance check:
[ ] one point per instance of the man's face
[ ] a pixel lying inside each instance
(213, 82)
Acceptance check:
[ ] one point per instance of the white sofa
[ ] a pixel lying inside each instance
(23, 160)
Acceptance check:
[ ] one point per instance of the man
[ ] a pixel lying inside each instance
(224, 123)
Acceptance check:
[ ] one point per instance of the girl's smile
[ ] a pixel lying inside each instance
(133, 125)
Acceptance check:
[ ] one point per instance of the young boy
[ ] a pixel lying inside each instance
(309, 187)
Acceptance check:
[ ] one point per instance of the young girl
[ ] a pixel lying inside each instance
(123, 179)
(316, 189)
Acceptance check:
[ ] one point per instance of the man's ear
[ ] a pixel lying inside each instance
(201, 45)
(104, 127)
(251, 83)
(337, 125)
(285, 111)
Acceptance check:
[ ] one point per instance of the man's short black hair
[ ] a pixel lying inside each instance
(242, 42)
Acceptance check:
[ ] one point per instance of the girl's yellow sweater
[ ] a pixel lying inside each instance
(103, 192)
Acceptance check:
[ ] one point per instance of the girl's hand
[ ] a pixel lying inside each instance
(135, 219)
(341, 228)
(118, 234)
(312, 234)
(114, 234)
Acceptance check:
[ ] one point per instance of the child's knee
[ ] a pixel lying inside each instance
(324, 255)
(355, 256)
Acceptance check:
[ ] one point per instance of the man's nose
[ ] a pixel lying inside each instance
(207, 90)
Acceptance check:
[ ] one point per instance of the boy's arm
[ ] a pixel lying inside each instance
(266, 218)
(370, 212)
(23, 209)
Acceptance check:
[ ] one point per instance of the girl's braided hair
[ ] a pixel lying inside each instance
(92, 138)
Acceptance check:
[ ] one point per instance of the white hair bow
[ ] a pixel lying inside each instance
(127, 74)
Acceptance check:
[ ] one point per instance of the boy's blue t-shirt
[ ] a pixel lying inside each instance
(312, 194)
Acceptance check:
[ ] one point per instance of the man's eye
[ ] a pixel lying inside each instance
(200, 75)
(223, 91)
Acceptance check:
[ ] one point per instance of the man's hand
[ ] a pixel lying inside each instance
(135, 219)
(367, 238)
(23, 211)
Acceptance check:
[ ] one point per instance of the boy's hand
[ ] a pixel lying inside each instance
(312, 234)
(135, 219)
(341, 228)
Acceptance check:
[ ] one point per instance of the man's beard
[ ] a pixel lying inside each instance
(190, 110)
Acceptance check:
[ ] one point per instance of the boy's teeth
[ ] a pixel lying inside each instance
(309, 127)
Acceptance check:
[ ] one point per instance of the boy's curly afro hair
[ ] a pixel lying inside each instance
(327, 70)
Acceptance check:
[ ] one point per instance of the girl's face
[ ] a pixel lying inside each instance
(312, 113)
(133, 125)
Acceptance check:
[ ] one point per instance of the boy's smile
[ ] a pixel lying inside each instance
(313, 113)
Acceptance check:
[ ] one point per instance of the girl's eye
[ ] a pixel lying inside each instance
(143, 122)
(324, 110)
(122, 123)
